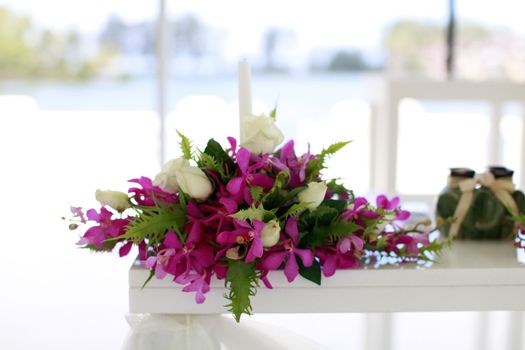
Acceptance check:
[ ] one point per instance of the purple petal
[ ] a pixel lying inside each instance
(272, 261)
(172, 241)
(151, 261)
(402, 215)
(193, 210)
(262, 180)
(381, 201)
(143, 251)
(330, 264)
(357, 242)
(359, 202)
(394, 203)
(234, 185)
(291, 269)
(230, 204)
(348, 262)
(233, 144)
(306, 256)
(93, 215)
(258, 225)
(243, 159)
(344, 245)
(256, 249)
(287, 151)
(195, 233)
(291, 229)
(125, 249)
(266, 282)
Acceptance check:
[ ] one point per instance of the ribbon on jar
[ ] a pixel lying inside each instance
(467, 187)
(502, 189)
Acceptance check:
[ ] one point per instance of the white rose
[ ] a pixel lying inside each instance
(261, 135)
(270, 234)
(313, 195)
(194, 182)
(114, 199)
(167, 179)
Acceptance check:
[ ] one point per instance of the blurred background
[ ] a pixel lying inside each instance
(91, 95)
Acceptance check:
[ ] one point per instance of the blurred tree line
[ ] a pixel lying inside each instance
(27, 51)
(411, 48)
(416, 48)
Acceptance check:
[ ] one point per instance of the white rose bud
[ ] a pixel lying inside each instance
(313, 195)
(167, 179)
(270, 234)
(114, 199)
(261, 135)
(194, 182)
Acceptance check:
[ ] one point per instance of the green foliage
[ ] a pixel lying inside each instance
(278, 196)
(435, 248)
(242, 281)
(273, 112)
(312, 273)
(216, 158)
(253, 213)
(295, 209)
(316, 165)
(336, 188)
(185, 146)
(337, 204)
(322, 225)
(207, 161)
(333, 149)
(150, 277)
(256, 192)
(154, 222)
(106, 247)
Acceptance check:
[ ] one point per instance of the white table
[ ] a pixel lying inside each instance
(471, 276)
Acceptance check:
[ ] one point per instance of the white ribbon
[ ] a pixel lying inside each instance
(467, 187)
(502, 189)
(209, 332)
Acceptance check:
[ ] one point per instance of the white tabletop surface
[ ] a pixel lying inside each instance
(470, 276)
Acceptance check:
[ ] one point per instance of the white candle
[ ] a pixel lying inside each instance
(245, 95)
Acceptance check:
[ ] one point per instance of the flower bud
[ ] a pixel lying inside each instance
(313, 195)
(114, 199)
(261, 135)
(194, 182)
(270, 234)
(166, 179)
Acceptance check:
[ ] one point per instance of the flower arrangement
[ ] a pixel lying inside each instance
(236, 214)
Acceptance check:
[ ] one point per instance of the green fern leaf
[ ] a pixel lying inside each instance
(154, 222)
(242, 281)
(256, 192)
(185, 146)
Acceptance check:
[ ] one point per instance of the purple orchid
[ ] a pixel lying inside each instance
(296, 166)
(180, 259)
(146, 195)
(392, 205)
(359, 209)
(332, 258)
(243, 234)
(239, 186)
(273, 259)
(78, 213)
(107, 228)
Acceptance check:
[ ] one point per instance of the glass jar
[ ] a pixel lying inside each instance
(490, 217)
(449, 198)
